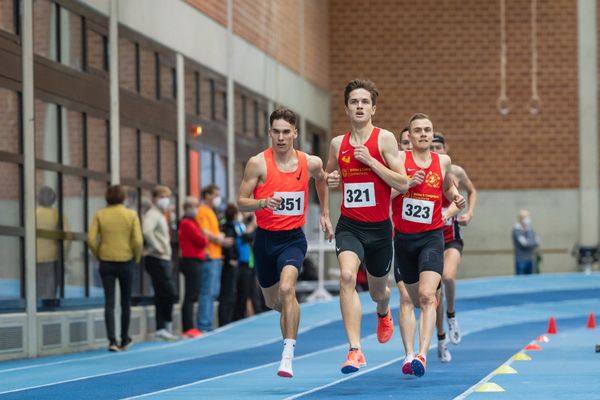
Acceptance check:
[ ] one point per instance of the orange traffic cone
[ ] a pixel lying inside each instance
(533, 347)
(591, 324)
(551, 326)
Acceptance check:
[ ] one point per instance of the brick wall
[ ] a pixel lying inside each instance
(442, 58)
(274, 27)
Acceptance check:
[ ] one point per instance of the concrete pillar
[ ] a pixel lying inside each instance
(115, 124)
(588, 122)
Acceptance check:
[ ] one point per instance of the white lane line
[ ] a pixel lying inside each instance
(163, 347)
(306, 329)
(214, 378)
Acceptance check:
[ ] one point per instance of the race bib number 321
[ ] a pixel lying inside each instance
(419, 211)
(292, 204)
(359, 195)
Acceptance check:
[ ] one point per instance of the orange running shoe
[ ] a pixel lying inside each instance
(385, 327)
(354, 362)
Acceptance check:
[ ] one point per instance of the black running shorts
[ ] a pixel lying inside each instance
(370, 241)
(418, 252)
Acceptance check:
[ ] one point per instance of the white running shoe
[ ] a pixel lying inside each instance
(443, 352)
(285, 368)
(163, 334)
(454, 331)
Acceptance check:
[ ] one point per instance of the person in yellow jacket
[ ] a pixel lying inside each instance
(115, 239)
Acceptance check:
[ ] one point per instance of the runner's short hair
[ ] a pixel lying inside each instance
(285, 114)
(161, 190)
(361, 84)
(417, 116)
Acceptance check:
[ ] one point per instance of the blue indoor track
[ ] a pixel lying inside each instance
(498, 318)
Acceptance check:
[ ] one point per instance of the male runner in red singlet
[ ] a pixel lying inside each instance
(453, 246)
(419, 240)
(275, 187)
(370, 166)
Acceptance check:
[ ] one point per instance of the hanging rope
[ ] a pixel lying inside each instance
(502, 102)
(534, 101)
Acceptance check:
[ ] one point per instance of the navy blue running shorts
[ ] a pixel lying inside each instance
(273, 250)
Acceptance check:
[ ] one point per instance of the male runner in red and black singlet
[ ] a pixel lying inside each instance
(275, 187)
(370, 166)
(419, 240)
(453, 243)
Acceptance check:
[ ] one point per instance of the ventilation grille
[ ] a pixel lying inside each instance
(77, 332)
(134, 326)
(11, 338)
(51, 335)
(99, 329)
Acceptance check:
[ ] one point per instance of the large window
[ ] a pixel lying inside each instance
(71, 178)
(57, 34)
(11, 194)
(8, 18)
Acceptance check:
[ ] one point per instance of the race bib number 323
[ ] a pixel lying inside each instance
(359, 195)
(292, 204)
(419, 211)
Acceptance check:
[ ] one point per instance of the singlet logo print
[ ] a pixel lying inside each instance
(432, 179)
(298, 177)
(346, 159)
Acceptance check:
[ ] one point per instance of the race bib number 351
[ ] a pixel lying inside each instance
(292, 204)
(359, 195)
(419, 211)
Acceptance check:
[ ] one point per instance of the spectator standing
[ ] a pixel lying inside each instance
(158, 261)
(115, 239)
(229, 272)
(525, 242)
(245, 278)
(193, 244)
(210, 269)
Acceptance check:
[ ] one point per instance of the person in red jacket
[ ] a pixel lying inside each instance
(192, 243)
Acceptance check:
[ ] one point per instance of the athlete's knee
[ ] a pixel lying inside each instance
(427, 298)
(286, 291)
(347, 278)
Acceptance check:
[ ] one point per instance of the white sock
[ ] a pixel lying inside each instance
(288, 348)
(409, 357)
(169, 326)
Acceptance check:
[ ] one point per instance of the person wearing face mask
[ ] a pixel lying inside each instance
(158, 261)
(210, 268)
(192, 243)
(525, 242)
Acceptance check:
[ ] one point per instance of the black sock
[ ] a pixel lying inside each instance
(450, 314)
(381, 316)
(353, 348)
(442, 336)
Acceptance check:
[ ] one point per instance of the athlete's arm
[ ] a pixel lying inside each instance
(450, 189)
(465, 183)
(333, 175)
(394, 174)
(315, 167)
(255, 169)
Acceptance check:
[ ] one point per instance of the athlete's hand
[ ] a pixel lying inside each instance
(361, 153)
(272, 203)
(460, 201)
(333, 179)
(465, 219)
(417, 178)
(326, 226)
